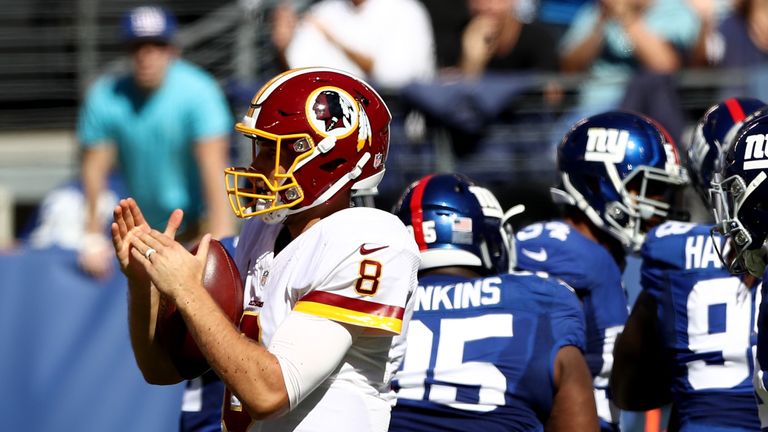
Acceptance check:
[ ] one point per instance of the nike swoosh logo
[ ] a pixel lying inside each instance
(366, 251)
(540, 255)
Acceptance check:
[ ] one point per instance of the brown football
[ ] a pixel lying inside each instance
(222, 281)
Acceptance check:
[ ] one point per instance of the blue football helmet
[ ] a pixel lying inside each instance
(455, 223)
(709, 142)
(739, 198)
(619, 168)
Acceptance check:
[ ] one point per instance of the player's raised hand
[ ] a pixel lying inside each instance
(129, 222)
(171, 266)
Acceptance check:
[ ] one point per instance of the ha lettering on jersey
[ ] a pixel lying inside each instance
(755, 154)
(700, 252)
(606, 145)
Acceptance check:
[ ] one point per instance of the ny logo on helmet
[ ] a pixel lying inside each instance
(606, 145)
(755, 150)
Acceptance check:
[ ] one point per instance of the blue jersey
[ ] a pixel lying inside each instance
(480, 353)
(707, 317)
(554, 247)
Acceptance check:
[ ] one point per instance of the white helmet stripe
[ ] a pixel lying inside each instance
(292, 73)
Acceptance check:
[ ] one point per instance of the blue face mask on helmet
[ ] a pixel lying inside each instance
(619, 169)
(712, 138)
(739, 198)
(455, 223)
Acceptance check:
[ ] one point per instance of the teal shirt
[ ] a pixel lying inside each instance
(155, 135)
(672, 20)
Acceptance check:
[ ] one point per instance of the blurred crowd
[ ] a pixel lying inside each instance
(626, 53)
(628, 50)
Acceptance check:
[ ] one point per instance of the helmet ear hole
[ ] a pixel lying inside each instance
(331, 166)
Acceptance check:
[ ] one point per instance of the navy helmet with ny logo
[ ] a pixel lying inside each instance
(713, 137)
(618, 168)
(739, 198)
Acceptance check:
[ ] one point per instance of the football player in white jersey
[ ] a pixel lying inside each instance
(327, 286)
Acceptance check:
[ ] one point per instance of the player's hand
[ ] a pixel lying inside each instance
(94, 256)
(174, 270)
(129, 222)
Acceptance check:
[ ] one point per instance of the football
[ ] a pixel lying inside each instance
(222, 281)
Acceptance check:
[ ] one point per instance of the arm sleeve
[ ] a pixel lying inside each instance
(309, 349)
(651, 277)
(567, 319)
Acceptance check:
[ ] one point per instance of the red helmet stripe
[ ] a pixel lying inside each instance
(417, 212)
(737, 113)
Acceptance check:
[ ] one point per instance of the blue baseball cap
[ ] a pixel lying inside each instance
(148, 23)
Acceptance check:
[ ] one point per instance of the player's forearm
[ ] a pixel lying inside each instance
(246, 367)
(143, 306)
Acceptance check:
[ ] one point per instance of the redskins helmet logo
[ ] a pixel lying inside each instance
(332, 111)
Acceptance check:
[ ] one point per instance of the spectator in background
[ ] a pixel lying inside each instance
(448, 20)
(616, 40)
(741, 39)
(389, 42)
(711, 13)
(739, 44)
(496, 39)
(166, 122)
(58, 221)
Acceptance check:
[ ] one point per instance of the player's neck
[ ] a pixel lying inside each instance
(299, 222)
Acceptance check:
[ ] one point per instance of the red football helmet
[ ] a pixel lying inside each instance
(331, 132)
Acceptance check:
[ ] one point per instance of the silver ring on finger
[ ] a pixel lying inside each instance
(149, 253)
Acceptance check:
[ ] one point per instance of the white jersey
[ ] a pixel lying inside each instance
(357, 266)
